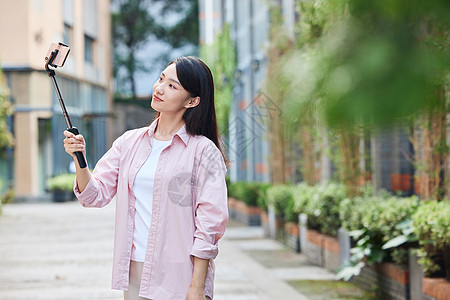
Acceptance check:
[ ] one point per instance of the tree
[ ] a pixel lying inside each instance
(6, 109)
(134, 24)
(221, 58)
(6, 139)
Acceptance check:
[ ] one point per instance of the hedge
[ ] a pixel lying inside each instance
(431, 224)
(251, 193)
(322, 208)
(378, 220)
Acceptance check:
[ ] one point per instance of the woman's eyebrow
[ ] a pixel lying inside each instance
(171, 79)
(176, 81)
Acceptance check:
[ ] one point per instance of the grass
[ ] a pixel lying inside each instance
(331, 290)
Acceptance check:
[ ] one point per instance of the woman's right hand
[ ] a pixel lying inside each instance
(74, 143)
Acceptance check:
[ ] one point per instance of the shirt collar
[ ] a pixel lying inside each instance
(181, 133)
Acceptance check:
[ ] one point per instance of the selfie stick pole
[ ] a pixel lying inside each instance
(70, 127)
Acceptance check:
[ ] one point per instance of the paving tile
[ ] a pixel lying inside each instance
(303, 273)
(62, 251)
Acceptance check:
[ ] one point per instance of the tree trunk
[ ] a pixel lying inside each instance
(431, 151)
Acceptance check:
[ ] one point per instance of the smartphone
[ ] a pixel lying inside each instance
(61, 50)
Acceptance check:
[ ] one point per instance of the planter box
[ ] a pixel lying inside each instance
(232, 207)
(249, 215)
(63, 196)
(390, 281)
(280, 234)
(314, 247)
(322, 250)
(436, 289)
(265, 223)
(416, 276)
(303, 223)
(345, 245)
(292, 236)
(331, 253)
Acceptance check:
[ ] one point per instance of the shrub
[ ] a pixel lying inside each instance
(251, 193)
(373, 222)
(262, 195)
(322, 207)
(301, 194)
(63, 182)
(379, 216)
(280, 196)
(431, 223)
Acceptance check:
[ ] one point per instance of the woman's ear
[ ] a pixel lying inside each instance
(193, 102)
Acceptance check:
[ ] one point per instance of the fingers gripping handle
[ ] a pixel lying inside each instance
(79, 154)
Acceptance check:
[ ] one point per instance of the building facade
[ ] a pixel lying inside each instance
(27, 28)
(249, 22)
(384, 154)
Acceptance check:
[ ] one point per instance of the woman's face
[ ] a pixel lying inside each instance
(168, 94)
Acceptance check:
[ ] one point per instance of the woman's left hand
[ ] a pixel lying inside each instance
(196, 294)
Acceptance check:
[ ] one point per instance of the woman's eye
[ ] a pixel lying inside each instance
(172, 86)
(160, 79)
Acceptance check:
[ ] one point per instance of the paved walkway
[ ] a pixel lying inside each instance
(64, 251)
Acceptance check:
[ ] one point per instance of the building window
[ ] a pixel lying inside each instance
(67, 35)
(88, 49)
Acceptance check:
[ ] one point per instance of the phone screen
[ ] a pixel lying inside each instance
(62, 53)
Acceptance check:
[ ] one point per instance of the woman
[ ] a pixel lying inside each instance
(169, 182)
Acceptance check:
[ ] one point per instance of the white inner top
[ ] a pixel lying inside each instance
(143, 191)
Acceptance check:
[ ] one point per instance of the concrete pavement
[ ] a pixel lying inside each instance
(64, 251)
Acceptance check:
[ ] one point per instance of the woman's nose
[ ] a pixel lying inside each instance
(159, 89)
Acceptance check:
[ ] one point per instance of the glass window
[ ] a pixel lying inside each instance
(67, 35)
(88, 49)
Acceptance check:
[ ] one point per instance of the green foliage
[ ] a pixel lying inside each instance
(348, 49)
(6, 138)
(407, 235)
(280, 196)
(378, 215)
(302, 193)
(323, 208)
(262, 195)
(6, 109)
(372, 223)
(221, 58)
(431, 223)
(186, 30)
(251, 193)
(63, 182)
(321, 204)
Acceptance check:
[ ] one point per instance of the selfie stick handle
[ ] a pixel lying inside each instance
(70, 127)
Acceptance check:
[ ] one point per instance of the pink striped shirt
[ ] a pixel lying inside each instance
(189, 213)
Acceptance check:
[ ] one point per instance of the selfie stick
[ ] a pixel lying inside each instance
(70, 127)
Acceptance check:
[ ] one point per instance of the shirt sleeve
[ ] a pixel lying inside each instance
(102, 186)
(211, 210)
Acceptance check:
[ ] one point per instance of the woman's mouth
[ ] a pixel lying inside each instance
(157, 99)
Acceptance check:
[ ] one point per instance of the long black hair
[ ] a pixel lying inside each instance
(196, 78)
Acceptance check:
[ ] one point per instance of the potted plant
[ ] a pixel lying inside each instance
(61, 186)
